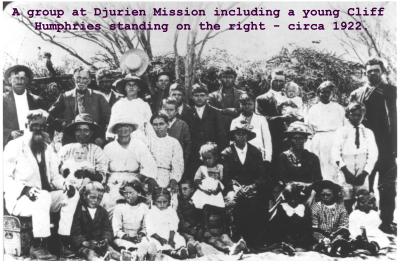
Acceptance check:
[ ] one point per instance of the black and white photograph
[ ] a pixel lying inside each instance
(199, 131)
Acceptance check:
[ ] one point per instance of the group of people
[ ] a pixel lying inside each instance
(135, 176)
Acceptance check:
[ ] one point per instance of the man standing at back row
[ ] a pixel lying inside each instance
(380, 101)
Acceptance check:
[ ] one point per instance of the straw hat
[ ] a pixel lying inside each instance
(243, 126)
(135, 62)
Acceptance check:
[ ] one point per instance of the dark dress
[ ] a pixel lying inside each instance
(295, 230)
(249, 215)
(306, 170)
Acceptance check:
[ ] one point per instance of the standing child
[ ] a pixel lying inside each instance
(364, 224)
(330, 221)
(162, 226)
(355, 153)
(128, 222)
(208, 178)
(91, 229)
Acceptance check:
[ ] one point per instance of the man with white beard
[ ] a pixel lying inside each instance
(33, 186)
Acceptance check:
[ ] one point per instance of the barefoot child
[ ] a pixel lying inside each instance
(91, 229)
(330, 221)
(162, 226)
(128, 222)
(364, 224)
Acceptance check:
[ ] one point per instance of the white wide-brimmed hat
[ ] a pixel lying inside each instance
(135, 62)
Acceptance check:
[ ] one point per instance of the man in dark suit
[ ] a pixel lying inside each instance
(18, 102)
(247, 187)
(381, 117)
(81, 100)
(104, 83)
(205, 126)
(177, 127)
(178, 92)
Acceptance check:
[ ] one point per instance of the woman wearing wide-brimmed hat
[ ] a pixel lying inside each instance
(296, 163)
(132, 87)
(129, 159)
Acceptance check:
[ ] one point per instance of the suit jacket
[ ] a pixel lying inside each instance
(10, 118)
(251, 172)
(65, 109)
(180, 131)
(209, 128)
(114, 98)
(21, 169)
(381, 116)
(84, 228)
(186, 113)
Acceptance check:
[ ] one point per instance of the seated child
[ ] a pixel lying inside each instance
(72, 169)
(208, 178)
(290, 227)
(364, 224)
(216, 231)
(190, 219)
(128, 223)
(330, 221)
(162, 226)
(91, 230)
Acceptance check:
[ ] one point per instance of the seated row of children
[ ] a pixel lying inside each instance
(326, 226)
(139, 231)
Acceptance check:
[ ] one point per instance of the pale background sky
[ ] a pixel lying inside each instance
(21, 44)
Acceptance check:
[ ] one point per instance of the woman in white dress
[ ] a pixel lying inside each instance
(325, 118)
(132, 87)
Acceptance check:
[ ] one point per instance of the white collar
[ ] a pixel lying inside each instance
(290, 211)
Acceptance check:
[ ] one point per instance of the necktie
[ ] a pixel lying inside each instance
(80, 98)
(357, 142)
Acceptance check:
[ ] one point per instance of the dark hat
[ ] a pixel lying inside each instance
(199, 88)
(119, 85)
(243, 126)
(83, 118)
(18, 68)
(327, 184)
(227, 71)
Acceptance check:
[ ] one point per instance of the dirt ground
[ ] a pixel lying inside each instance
(211, 254)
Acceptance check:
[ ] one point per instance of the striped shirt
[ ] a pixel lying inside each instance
(328, 219)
